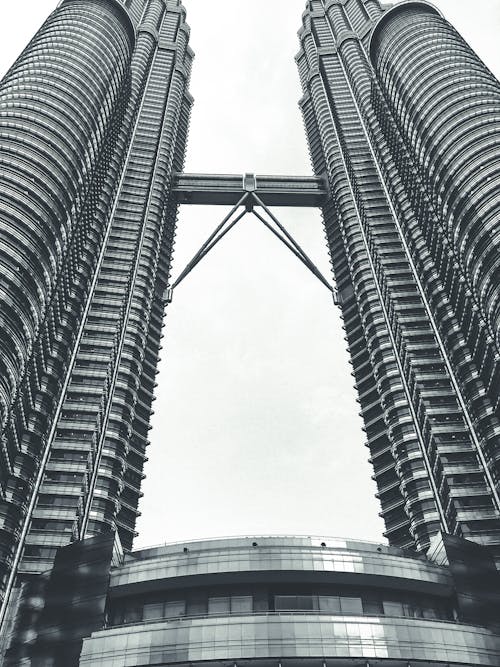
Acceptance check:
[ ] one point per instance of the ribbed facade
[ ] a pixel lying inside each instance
(450, 130)
(93, 122)
(404, 154)
(450, 122)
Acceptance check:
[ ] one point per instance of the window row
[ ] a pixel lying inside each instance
(139, 610)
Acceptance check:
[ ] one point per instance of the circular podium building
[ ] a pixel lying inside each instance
(296, 602)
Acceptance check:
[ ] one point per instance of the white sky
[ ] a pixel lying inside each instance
(256, 427)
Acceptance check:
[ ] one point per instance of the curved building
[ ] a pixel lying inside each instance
(446, 104)
(265, 601)
(93, 124)
(60, 104)
(401, 117)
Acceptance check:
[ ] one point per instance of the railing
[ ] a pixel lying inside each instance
(274, 614)
(254, 538)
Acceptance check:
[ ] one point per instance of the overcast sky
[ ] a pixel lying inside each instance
(256, 427)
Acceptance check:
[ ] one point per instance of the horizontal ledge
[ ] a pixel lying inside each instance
(323, 640)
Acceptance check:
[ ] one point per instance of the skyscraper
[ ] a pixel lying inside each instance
(93, 121)
(400, 115)
(94, 117)
(93, 124)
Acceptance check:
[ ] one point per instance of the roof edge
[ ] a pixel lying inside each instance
(388, 14)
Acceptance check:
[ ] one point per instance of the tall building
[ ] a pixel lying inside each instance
(402, 119)
(400, 116)
(93, 123)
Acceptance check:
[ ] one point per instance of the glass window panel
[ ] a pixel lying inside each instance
(306, 602)
(260, 603)
(175, 608)
(153, 611)
(329, 604)
(351, 605)
(219, 605)
(412, 610)
(241, 604)
(118, 616)
(285, 602)
(197, 607)
(133, 614)
(373, 607)
(393, 608)
(295, 602)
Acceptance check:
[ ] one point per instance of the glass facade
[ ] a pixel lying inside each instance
(245, 601)
(59, 104)
(337, 641)
(244, 610)
(101, 433)
(94, 123)
(448, 139)
(400, 116)
(342, 557)
(397, 111)
(86, 612)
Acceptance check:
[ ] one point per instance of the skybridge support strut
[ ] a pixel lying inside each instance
(213, 239)
(249, 199)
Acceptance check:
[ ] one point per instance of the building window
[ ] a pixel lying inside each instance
(241, 604)
(219, 605)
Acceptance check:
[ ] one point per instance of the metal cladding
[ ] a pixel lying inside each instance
(409, 150)
(261, 601)
(57, 105)
(58, 108)
(446, 106)
(98, 450)
(227, 189)
(93, 123)
(451, 128)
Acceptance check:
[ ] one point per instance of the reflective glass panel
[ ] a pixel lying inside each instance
(176, 608)
(153, 611)
(329, 604)
(351, 605)
(219, 605)
(241, 604)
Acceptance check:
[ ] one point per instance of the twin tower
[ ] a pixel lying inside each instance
(403, 122)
